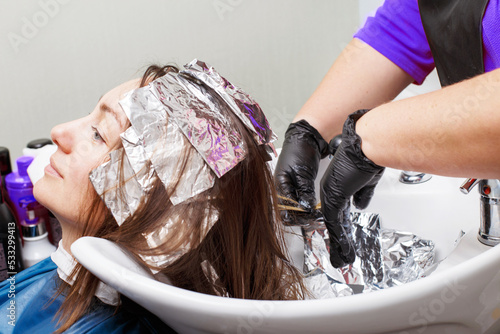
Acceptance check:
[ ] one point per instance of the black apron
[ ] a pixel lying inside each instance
(453, 30)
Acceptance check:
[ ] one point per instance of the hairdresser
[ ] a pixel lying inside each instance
(444, 132)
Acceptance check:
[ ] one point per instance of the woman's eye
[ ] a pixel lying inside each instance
(96, 135)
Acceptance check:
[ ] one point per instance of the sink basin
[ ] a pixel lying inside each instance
(435, 209)
(461, 296)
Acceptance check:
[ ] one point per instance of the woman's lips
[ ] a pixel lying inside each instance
(50, 169)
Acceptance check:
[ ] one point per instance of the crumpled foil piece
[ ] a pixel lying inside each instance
(157, 238)
(161, 143)
(242, 104)
(384, 258)
(322, 279)
(406, 257)
(163, 115)
(120, 201)
(198, 117)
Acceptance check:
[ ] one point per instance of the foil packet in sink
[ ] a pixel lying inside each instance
(384, 257)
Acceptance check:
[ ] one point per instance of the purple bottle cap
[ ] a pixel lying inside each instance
(20, 179)
(22, 165)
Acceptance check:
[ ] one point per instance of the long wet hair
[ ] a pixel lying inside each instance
(242, 255)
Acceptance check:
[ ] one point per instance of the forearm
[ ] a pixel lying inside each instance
(361, 78)
(454, 131)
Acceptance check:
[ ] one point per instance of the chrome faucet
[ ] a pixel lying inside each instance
(409, 177)
(489, 229)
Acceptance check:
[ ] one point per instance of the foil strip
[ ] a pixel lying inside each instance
(321, 278)
(242, 104)
(367, 270)
(406, 257)
(120, 201)
(172, 227)
(162, 144)
(214, 279)
(201, 121)
(384, 258)
(322, 286)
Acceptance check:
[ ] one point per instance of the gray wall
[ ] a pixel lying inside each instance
(57, 57)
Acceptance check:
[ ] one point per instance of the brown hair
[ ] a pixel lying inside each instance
(242, 255)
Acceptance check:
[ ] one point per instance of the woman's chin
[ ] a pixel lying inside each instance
(41, 193)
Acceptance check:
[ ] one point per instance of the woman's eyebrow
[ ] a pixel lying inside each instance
(107, 109)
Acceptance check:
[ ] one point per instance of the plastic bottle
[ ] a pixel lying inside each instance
(42, 150)
(36, 239)
(5, 167)
(55, 233)
(18, 186)
(33, 147)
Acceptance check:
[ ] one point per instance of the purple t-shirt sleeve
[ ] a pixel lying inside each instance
(491, 32)
(396, 32)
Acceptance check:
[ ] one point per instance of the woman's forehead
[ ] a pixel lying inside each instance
(109, 102)
(118, 93)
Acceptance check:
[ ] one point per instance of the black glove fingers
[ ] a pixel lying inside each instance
(336, 258)
(332, 207)
(332, 193)
(305, 187)
(298, 163)
(342, 251)
(362, 198)
(306, 199)
(350, 173)
(285, 186)
(348, 249)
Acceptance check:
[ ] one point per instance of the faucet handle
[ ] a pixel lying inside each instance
(467, 186)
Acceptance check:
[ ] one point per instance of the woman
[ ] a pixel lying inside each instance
(200, 216)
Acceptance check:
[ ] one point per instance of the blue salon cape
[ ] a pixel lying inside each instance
(26, 308)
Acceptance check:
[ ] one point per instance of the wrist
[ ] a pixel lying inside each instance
(309, 133)
(355, 143)
(363, 130)
(322, 126)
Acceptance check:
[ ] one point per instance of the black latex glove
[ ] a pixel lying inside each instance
(350, 173)
(298, 163)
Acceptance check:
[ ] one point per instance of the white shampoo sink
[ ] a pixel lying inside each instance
(461, 296)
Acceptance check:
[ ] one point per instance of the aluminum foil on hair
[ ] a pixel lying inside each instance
(163, 145)
(121, 199)
(202, 121)
(242, 104)
(171, 226)
(153, 148)
(384, 258)
(214, 279)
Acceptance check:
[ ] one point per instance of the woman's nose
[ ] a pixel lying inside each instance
(62, 136)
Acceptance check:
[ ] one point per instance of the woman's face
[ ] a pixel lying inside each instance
(83, 144)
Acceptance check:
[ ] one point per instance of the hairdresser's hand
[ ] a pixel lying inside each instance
(298, 163)
(350, 173)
